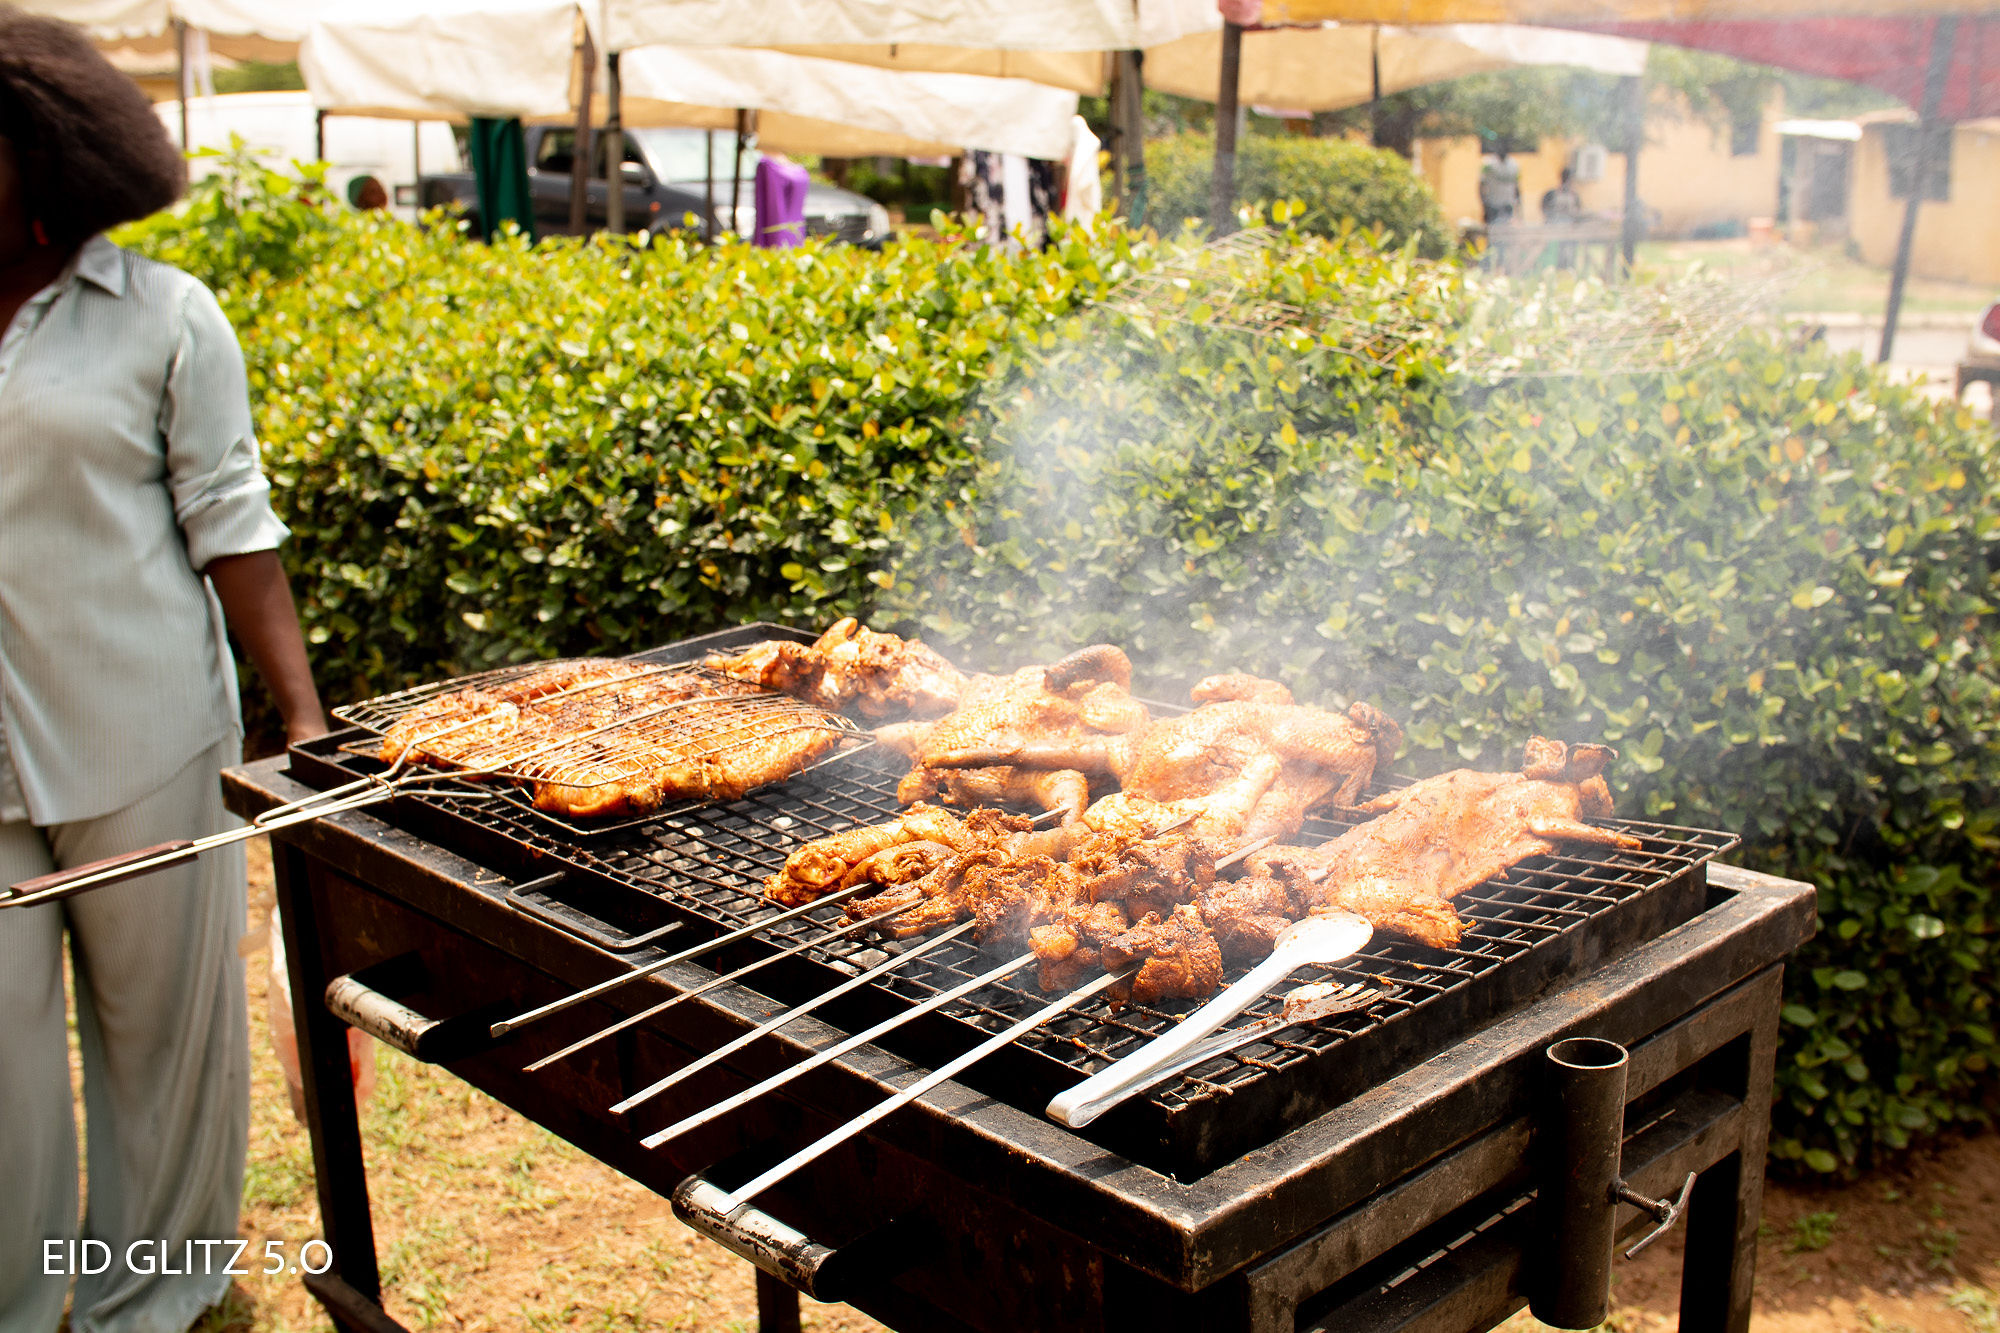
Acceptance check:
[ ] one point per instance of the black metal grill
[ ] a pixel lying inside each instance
(1549, 918)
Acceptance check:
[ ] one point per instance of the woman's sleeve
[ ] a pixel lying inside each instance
(220, 496)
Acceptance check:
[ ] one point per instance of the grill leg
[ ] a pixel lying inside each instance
(1720, 1267)
(777, 1305)
(330, 1115)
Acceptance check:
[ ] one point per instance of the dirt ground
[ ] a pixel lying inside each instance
(485, 1221)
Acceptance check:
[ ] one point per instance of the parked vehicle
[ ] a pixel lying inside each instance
(1982, 357)
(665, 175)
(281, 128)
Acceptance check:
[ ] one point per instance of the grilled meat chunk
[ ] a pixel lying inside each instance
(823, 863)
(1178, 956)
(851, 668)
(1055, 789)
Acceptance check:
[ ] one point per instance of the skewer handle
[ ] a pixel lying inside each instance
(111, 870)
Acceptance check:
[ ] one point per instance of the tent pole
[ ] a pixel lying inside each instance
(614, 148)
(416, 168)
(1635, 127)
(319, 136)
(181, 77)
(1942, 31)
(1222, 197)
(579, 153)
(708, 189)
(736, 174)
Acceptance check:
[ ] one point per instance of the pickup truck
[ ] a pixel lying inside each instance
(664, 177)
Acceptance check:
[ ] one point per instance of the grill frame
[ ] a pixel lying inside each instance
(1224, 1108)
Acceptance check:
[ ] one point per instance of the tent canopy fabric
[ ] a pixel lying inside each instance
(987, 25)
(1568, 13)
(811, 105)
(1078, 71)
(1325, 68)
(454, 59)
(445, 60)
(1888, 54)
(279, 20)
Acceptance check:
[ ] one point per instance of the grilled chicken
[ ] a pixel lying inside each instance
(614, 737)
(1177, 955)
(851, 668)
(1049, 789)
(822, 864)
(1437, 838)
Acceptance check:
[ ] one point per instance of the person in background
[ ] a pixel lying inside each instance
(134, 526)
(1499, 187)
(1562, 203)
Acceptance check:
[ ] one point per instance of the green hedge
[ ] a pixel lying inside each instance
(1768, 580)
(1341, 184)
(487, 453)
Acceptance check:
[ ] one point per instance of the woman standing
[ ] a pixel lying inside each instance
(134, 524)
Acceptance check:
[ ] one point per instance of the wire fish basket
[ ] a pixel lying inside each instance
(654, 732)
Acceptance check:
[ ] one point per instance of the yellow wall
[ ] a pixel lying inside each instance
(1687, 174)
(1956, 238)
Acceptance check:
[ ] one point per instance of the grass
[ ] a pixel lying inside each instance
(1827, 280)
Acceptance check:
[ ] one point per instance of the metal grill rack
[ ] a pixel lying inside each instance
(709, 861)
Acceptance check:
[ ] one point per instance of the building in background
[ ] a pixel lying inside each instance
(1696, 178)
(1957, 239)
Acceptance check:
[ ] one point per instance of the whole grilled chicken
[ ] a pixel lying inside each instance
(1196, 756)
(852, 667)
(1068, 706)
(1433, 840)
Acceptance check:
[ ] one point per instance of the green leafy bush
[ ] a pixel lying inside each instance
(1342, 185)
(495, 452)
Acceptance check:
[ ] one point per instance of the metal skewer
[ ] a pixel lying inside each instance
(835, 1051)
(713, 982)
(862, 1038)
(797, 1011)
(949, 1069)
(501, 1029)
(521, 1020)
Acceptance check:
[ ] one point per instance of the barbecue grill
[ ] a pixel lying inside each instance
(1373, 1170)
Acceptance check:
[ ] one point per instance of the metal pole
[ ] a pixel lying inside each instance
(708, 188)
(416, 169)
(1942, 31)
(1635, 126)
(181, 77)
(614, 149)
(319, 136)
(579, 159)
(736, 173)
(1222, 197)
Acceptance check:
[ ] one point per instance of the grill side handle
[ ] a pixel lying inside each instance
(794, 1258)
(362, 1000)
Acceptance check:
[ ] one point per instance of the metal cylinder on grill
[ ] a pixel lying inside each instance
(1584, 1130)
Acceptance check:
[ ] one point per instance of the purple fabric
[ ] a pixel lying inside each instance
(781, 203)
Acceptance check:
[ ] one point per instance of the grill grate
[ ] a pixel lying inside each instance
(711, 859)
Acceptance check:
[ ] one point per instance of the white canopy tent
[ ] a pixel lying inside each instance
(453, 59)
(283, 21)
(1330, 66)
(807, 104)
(981, 25)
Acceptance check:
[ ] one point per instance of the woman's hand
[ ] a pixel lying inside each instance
(257, 601)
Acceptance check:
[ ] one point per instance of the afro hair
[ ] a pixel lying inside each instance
(91, 154)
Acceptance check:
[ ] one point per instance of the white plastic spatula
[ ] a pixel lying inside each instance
(1325, 938)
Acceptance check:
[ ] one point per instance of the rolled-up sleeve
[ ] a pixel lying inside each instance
(221, 500)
